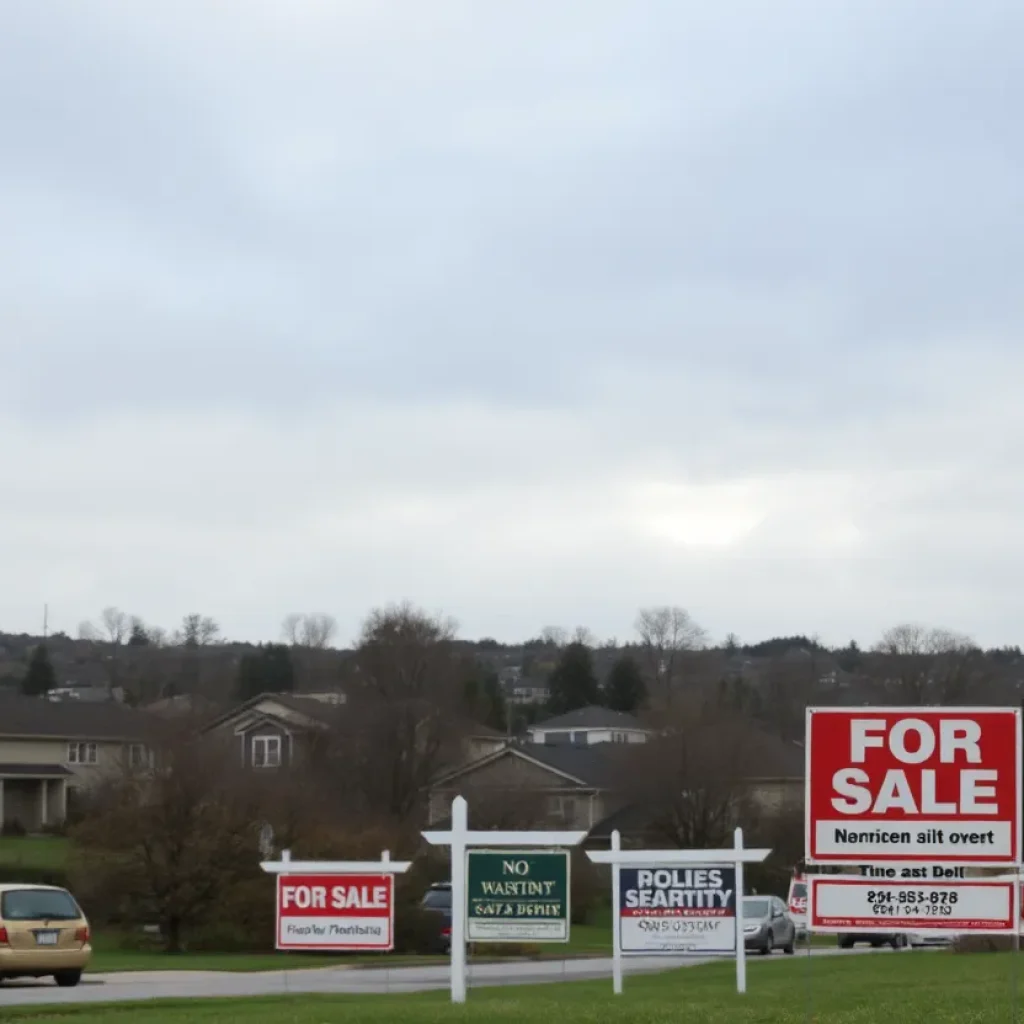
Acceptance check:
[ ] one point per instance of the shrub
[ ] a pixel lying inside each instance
(983, 944)
(30, 874)
(415, 928)
(589, 887)
(13, 829)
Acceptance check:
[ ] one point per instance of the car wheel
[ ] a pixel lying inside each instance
(769, 945)
(846, 943)
(67, 979)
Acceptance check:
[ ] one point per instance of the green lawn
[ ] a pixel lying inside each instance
(906, 988)
(34, 852)
(584, 940)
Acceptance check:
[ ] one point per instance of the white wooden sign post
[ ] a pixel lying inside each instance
(736, 857)
(460, 839)
(339, 905)
(287, 866)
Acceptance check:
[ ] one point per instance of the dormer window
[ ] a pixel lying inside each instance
(266, 751)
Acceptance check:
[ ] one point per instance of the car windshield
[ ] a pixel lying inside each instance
(38, 905)
(438, 899)
(799, 891)
(755, 908)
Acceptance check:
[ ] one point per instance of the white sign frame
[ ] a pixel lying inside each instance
(894, 856)
(459, 839)
(735, 857)
(694, 947)
(286, 866)
(513, 939)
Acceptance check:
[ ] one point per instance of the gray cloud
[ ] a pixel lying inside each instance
(536, 312)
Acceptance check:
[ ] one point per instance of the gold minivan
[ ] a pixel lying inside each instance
(43, 933)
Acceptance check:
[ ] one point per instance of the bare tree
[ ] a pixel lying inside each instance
(583, 635)
(691, 776)
(291, 628)
(315, 630)
(197, 631)
(170, 840)
(157, 635)
(667, 635)
(923, 665)
(116, 624)
(405, 686)
(89, 632)
(555, 636)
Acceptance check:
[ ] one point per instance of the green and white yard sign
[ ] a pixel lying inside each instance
(517, 896)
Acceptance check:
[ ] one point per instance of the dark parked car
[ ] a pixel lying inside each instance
(847, 940)
(437, 901)
(767, 925)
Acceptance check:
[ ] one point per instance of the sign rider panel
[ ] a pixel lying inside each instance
(872, 905)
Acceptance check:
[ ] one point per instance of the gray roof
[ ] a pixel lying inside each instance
(23, 717)
(317, 710)
(591, 718)
(33, 771)
(593, 767)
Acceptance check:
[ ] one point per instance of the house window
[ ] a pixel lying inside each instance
(266, 751)
(562, 808)
(137, 756)
(81, 753)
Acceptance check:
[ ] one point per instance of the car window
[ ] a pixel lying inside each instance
(755, 908)
(438, 899)
(38, 905)
(799, 891)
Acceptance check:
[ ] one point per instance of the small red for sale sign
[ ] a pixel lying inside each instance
(335, 912)
(941, 785)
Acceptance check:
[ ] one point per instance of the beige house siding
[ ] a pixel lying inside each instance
(560, 802)
(33, 751)
(110, 757)
(778, 794)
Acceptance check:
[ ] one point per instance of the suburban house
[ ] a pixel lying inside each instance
(274, 729)
(49, 749)
(589, 725)
(271, 730)
(564, 773)
(523, 689)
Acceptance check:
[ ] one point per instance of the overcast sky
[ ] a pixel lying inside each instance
(530, 312)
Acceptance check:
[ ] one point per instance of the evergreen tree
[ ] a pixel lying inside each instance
(572, 683)
(485, 700)
(625, 689)
(138, 636)
(268, 670)
(40, 676)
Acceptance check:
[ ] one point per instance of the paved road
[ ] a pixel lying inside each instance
(103, 988)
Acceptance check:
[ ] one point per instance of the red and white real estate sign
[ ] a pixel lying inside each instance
(941, 785)
(336, 912)
(880, 905)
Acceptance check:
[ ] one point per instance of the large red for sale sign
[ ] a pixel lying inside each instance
(325, 912)
(941, 785)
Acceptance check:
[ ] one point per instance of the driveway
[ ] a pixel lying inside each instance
(127, 987)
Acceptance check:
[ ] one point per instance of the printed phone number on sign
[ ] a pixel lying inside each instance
(677, 926)
(913, 902)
